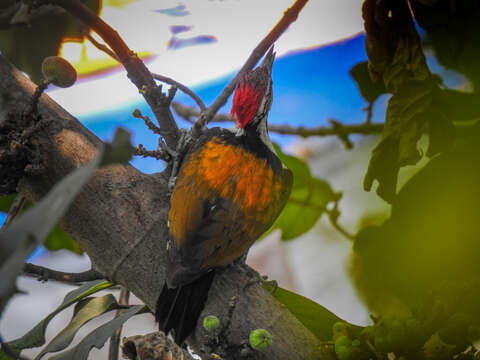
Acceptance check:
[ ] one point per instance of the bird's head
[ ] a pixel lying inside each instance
(253, 94)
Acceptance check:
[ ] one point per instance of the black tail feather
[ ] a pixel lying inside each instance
(179, 308)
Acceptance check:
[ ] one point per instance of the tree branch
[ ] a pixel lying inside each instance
(101, 47)
(182, 87)
(165, 79)
(189, 113)
(122, 214)
(44, 274)
(289, 16)
(136, 69)
(15, 208)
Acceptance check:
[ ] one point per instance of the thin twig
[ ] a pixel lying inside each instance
(289, 16)
(156, 154)
(115, 339)
(347, 129)
(136, 69)
(15, 208)
(333, 215)
(151, 126)
(339, 228)
(369, 110)
(44, 274)
(101, 47)
(189, 113)
(182, 87)
(33, 109)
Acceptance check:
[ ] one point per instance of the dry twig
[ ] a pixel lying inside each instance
(44, 274)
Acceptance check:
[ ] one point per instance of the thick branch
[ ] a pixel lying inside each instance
(136, 69)
(122, 214)
(289, 16)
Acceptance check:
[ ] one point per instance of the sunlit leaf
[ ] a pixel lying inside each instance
(119, 3)
(313, 316)
(93, 308)
(99, 336)
(307, 202)
(36, 336)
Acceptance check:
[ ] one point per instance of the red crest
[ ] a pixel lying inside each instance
(248, 95)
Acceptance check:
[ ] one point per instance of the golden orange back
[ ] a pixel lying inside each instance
(224, 199)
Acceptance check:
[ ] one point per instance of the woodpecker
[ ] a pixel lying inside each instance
(230, 189)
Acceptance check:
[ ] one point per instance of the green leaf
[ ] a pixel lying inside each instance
(91, 309)
(396, 57)
(119, 3)
(36, 336)
(313, 316)
(6, 202)
(411, 112)
(120, 150)
(307, 202)
(99, 336)
(369, 90)
(59, 239)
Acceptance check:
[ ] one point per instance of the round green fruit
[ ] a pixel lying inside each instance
(58, 71)
(260, 339)
(210, 322)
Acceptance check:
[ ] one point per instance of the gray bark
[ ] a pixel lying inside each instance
(119, 219)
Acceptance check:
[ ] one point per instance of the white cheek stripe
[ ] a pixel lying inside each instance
(263, 135)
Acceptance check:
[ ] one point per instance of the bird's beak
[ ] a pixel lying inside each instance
(267, 61)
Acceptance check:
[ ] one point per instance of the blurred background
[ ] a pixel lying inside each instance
(203, 44)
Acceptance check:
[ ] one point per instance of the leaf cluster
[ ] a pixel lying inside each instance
(434, 330)
(86, 309)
